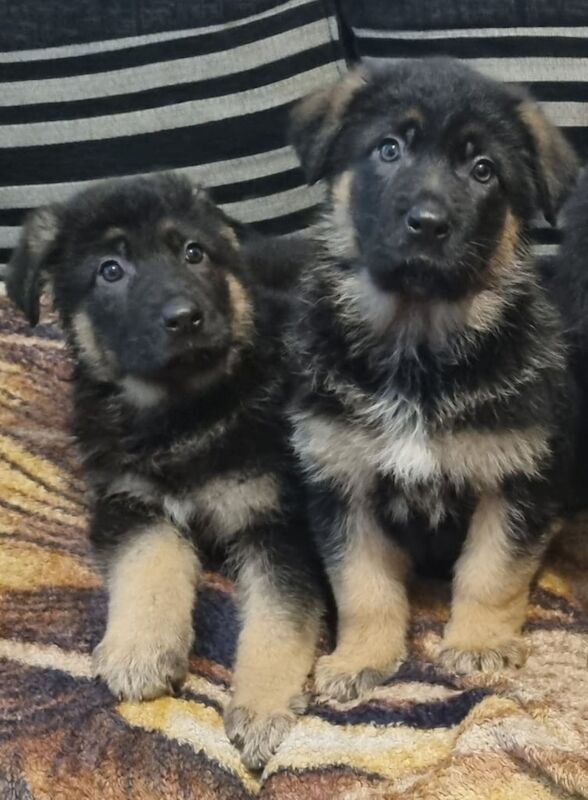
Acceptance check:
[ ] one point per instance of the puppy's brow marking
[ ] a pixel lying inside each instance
(414, 116)
(114, 234)
(168, 226)
(117, 240)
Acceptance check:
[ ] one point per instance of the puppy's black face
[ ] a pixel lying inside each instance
(433, 167)
(146, 276)
(431, 194)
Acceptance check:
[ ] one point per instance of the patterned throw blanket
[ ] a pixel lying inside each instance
(426, 735)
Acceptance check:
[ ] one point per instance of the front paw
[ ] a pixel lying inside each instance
(466, 659)
(140, 670)
(258, 735)
(335, 680)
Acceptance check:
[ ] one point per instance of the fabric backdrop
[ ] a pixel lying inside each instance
(94, 89)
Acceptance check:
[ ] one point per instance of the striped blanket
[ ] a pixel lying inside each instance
(425, 735)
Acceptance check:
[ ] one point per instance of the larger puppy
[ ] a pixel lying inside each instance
(433, 412)
(179, 393)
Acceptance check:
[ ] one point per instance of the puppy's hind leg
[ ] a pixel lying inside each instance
(280, 612)
(151, 577)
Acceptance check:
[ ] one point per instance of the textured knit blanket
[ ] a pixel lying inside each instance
(425, 735)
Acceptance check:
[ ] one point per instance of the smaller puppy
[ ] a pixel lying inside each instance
(434, 410)
(179, 392)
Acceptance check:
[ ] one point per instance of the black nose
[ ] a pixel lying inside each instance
(429, 221)
(181, 316)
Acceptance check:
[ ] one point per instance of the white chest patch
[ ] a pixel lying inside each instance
(351, 454)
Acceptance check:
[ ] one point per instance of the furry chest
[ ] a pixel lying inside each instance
(219, 508)
(352, 455)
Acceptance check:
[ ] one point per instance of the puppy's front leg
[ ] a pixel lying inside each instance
(151, 578)
(368, 572)
(280, 610)
(490, 592)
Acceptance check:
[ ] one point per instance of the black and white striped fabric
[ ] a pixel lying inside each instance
(543, 45)
(92, 89)
(210, 101)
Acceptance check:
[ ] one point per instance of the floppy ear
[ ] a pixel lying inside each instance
(317, 120)
(555, 162)
(38, 242)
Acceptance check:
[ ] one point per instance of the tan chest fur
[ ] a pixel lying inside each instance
(399, 445)
(223, 505)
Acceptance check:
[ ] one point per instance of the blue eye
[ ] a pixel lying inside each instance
(111, 271)
(389, 149)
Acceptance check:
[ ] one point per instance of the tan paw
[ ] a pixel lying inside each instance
(258, 736)
(135, 670)
(511, 653)
(332, 682)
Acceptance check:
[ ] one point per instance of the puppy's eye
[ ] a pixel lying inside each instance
(389, 149)
(483, 170)
(111, 271)
(194, 253)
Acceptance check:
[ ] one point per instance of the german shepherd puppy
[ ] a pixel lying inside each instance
(179, 392)
(433, 412)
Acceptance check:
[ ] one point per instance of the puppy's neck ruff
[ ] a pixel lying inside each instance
(407, 323)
